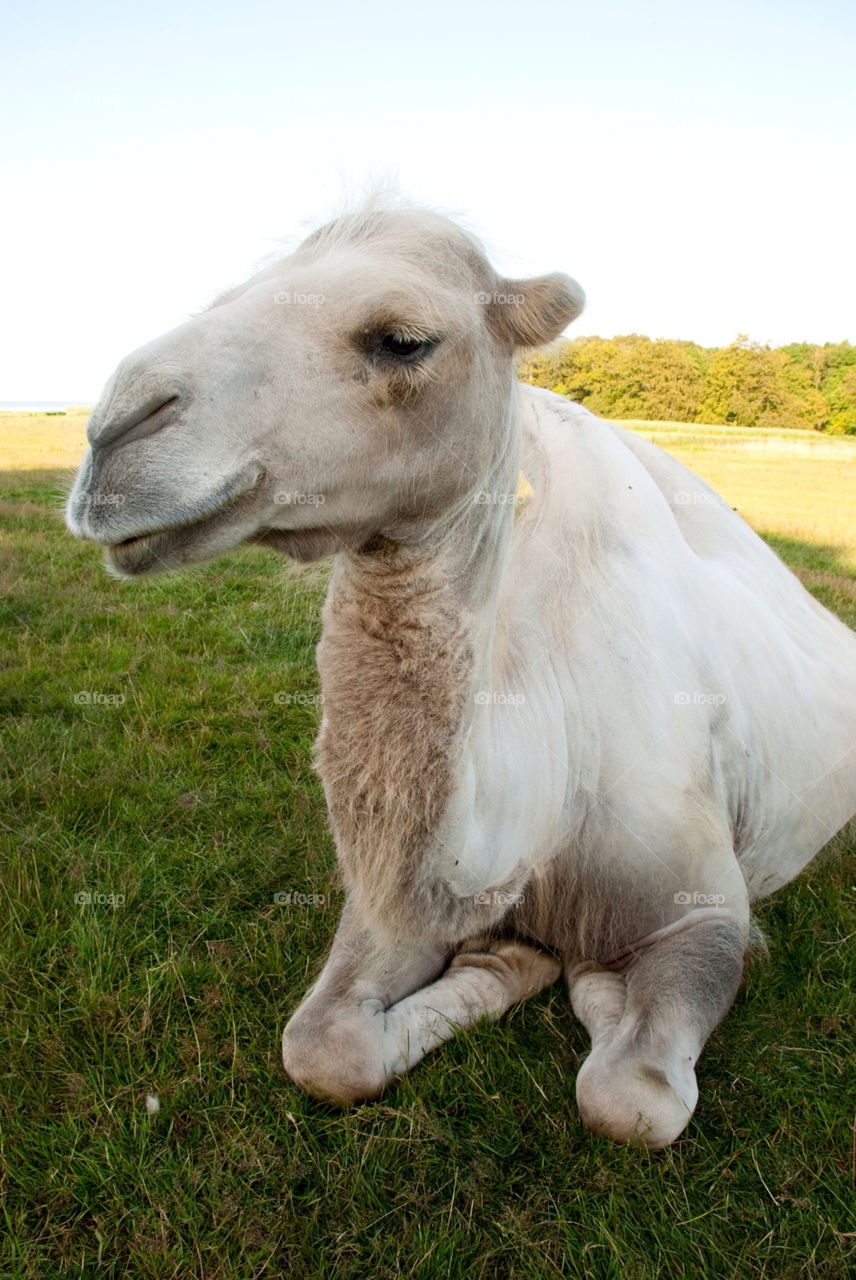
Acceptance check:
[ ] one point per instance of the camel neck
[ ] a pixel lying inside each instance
(407, 643)
(462, 555)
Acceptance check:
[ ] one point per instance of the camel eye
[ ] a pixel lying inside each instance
(394, 345)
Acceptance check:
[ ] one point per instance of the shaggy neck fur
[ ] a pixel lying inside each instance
(407, 642)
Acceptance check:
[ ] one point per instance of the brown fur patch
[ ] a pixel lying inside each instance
(394, 667)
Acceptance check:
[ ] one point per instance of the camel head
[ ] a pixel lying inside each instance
(360, 388)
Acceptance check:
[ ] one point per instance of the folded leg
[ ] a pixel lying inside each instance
(378, 1007)
(648, 1025)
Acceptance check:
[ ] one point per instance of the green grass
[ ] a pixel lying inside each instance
(184, 789)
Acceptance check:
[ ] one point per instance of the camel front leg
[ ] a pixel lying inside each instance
(648, 1026)
(379, 1007)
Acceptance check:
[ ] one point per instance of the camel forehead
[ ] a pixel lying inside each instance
(416, 236)
(403, 255)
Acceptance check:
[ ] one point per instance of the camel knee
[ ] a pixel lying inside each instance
(335, 1058)
(635, 1098)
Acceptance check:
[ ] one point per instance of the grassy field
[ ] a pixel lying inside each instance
(169, 889)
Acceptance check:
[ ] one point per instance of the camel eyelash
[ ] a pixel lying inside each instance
(405, 346)
(388, 341)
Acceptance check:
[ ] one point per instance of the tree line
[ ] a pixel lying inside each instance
(744, 384)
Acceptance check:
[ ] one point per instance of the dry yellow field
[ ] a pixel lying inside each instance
(42, 440)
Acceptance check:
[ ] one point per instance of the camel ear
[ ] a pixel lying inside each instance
(528, 313)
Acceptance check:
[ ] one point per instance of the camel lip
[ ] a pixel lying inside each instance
(164, 531)
(166, 546)
(228, 496)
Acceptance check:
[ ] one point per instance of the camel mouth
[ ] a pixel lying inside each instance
(200, 536)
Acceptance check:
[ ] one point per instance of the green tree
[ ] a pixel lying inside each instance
(657, 380)
(745, 384)
(629, 376)
(842, 402)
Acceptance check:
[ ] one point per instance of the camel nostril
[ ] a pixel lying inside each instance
(133, 419)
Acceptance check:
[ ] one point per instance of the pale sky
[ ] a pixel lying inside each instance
(694, 167)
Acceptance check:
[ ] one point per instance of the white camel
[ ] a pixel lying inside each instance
(581, 741)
